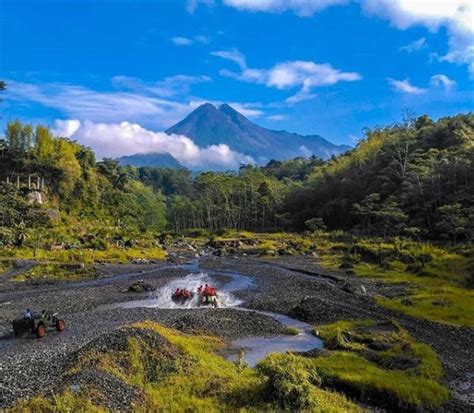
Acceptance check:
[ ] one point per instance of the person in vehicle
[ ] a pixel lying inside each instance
(199, 290)
(177, 292)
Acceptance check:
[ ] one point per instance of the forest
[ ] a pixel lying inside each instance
(413, 179)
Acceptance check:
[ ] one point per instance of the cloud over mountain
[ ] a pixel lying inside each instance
(114, 140)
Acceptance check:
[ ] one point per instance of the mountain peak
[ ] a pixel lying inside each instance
(206, 107)
(225, 107)
(210, 125)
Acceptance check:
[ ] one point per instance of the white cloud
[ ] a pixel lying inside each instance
(305, 151)
(302, 8)
(232, 55)
(192, 5)
(303, 94)
(441, 80)
(181, 41)
(406, 87)
(461, 56)
(170, 86)
(202, 39)
(415, 46)
(286, 75)
(186, 41)
(117, 139)
(297, 73)
(66, 128)
(277, 118)
(140, 102)
(456, 15)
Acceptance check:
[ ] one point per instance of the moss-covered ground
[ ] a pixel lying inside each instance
(381, 362)
(438, 278)
(56, 271)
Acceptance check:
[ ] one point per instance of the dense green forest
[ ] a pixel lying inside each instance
(412, 179)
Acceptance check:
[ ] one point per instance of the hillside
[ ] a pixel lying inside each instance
(209, 125)
(156, 160)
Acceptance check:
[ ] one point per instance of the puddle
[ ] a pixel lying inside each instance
(257, 348)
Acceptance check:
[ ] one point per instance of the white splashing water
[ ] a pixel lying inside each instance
(192, 282)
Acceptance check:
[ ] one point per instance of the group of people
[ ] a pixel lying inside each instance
(182, 293)
(207, 294)
(207, 290)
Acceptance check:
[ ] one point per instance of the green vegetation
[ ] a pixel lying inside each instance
(173, 371)
(182, 373)
(438, 278)
(55, 198)
(54, 271)
(381, 362)
(412, 180)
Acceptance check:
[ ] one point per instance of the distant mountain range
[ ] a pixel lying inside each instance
(210, 125)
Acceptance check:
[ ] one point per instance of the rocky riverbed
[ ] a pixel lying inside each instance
(294, 286)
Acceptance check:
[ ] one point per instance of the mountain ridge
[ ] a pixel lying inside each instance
(209, 125)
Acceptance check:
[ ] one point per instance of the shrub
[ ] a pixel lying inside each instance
(290, 381)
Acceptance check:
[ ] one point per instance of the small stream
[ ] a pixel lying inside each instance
(255, 348)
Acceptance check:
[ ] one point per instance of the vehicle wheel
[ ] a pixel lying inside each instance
(60, 325)
(40, 331)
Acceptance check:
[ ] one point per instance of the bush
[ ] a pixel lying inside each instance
(290, 381)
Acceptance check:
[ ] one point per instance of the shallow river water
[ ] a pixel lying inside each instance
(255, 348)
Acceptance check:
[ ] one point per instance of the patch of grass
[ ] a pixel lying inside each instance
(345, 369)
(292, 331)
(54, 271)
(65, 401)
(294, 384)
(5, 265)
(439, 279)
(449, 305)
(382, 362)
(87, 256)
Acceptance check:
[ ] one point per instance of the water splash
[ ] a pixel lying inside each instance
(162, 297)
(192, 282)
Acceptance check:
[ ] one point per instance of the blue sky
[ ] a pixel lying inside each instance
(328, 67)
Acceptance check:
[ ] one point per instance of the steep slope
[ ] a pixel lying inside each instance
(209, 125)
